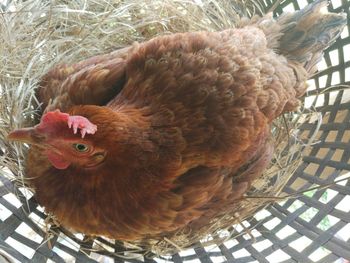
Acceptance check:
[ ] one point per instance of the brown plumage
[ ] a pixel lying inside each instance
(169, 132)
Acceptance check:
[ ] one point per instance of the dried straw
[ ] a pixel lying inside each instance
(35, 35)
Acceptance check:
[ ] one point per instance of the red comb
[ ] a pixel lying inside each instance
(54, 116)
(50, 119)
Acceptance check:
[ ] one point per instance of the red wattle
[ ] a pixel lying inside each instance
(57, 160)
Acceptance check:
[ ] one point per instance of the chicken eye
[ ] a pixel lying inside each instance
(80, 147)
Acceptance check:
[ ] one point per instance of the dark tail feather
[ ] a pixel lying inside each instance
(306, 33)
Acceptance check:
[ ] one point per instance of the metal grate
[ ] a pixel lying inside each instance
(315, 227)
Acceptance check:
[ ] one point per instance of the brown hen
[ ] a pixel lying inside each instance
(169, 132)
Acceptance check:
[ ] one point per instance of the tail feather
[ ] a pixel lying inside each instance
(301, 37)
(306, 33)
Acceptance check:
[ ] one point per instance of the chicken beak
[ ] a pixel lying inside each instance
(26, 135)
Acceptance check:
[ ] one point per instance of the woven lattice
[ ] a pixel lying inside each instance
(313, 226)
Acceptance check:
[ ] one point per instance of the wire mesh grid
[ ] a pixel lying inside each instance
(315, 227)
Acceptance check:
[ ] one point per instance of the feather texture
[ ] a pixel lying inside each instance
(183, 125)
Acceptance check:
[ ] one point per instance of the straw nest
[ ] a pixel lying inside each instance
(35, 35)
